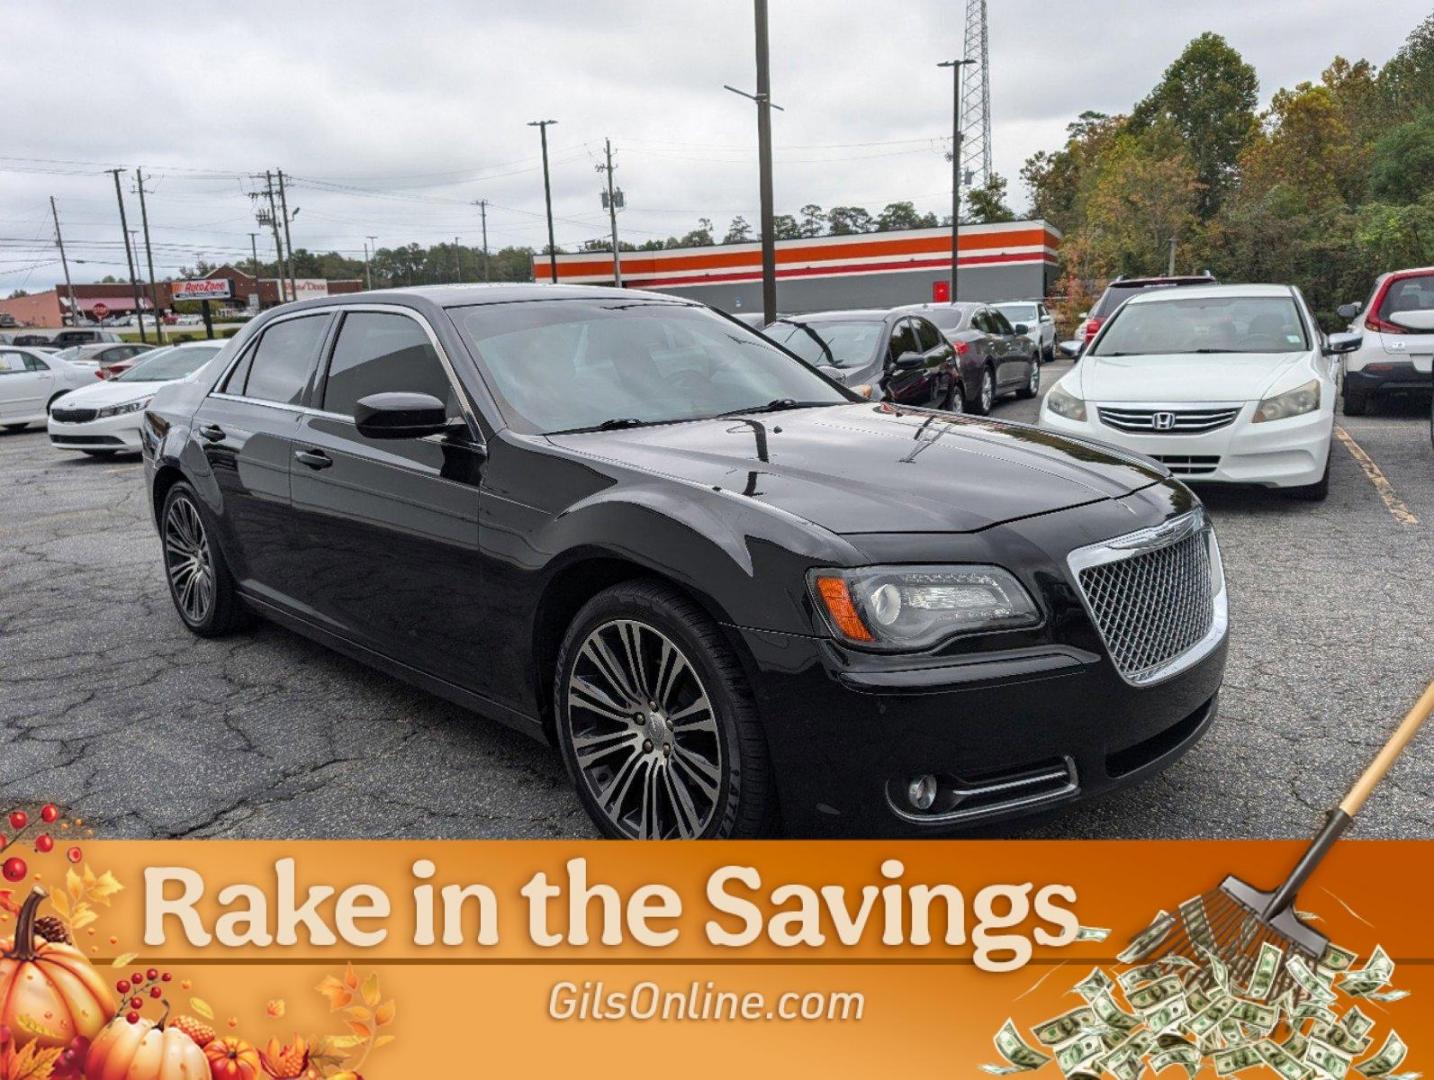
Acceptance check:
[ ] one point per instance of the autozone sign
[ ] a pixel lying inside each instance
(204, 289)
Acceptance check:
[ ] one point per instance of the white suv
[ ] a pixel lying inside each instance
(1395, 355)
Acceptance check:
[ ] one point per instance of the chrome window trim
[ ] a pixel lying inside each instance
(455, 384)
(1163, 535)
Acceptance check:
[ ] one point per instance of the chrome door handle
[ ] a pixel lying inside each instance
(212, 432)
(314, 459)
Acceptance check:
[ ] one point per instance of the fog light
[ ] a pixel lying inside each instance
(922, 792)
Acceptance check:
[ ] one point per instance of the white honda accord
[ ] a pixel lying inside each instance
(103, 418)
(1229, 384)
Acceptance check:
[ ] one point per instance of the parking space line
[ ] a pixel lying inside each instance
(1392, 502)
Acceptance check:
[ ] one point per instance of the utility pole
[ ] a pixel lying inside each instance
(288, 244)
(542, 126)
(763, 99)
(1170, 270)
(69, 288)
(129, 255)
(612, 199)
(457, 259)
(271, 219)
(149, 258)
(482, 205)
(955, 66)
(371, 242)
(367, 272)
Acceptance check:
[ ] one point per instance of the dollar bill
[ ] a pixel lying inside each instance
(1336, 959)
(1257, 1015)
(1375, 974)
(1355, 1022)
(1168, 1015)
(1149, 939)
(1209, 1018)
(1282, 1061)
(1144, 973)
(1112, 1015)
(1197, 923)
(1391, 1055)
(1387, 996)
(1296, 1044)
(1308, 981)
(1329, 1060)
(1067, 1026)
(1217, 969)
(1185, 1055)
(1236, 1059)
(1092, 933)
(1094, 985)
(1019, 1056)
(1153, 995)
(1267, 967)
(1340, 1038)
(1071, 1057)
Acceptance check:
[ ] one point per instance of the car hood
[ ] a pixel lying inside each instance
(877, 467)
(1203, 377)
(102, 393)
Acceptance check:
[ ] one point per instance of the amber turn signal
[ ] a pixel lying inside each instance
(837, 597)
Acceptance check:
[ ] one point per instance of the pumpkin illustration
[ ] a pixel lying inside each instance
(144, 1051)
(49, 994)
(231, 1058)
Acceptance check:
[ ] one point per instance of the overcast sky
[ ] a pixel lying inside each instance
(392, 119)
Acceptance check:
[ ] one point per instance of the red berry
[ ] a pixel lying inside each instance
(14, 869)
(165, 977)
(132, 1017)
(155, 992)
(44, 844)
(49, 813)
(136, 1003)
(19, 819)
(122, 986)
(137, 978)
(152, 974)
(74, 855)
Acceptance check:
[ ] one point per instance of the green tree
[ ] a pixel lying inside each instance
(849, 220)
(987, 203)
(1408, 79)
(1402, 165)
(1141, 200)
(1209, 93)
(785, 227)
(903, 215)
(1059, 181)
(739, 232)
(698, 237)
(814, 221)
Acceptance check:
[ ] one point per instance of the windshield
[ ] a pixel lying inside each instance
(1025, 313)
(1208, 324)
(164, 365)
(71, 354)
(562, 365)
(848, 344)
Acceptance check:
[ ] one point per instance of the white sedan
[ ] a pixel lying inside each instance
(1229, 384)
(104, 417)
(31, 381)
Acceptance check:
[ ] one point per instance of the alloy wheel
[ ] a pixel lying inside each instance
(187, 561)
(957, 400)
(988, 390)
(644, 732)
(1035, 384)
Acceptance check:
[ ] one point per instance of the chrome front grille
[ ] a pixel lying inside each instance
(1168, 421)
(1189, 464)
(1156, 597)
(72, 416)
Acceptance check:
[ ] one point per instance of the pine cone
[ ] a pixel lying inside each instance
(52, 929)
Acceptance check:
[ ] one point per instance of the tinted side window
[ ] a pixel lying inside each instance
(281, 364)
(34, 363)
(903, 339)
(999, 323)
(978, 322)
(379, 353)
(927, 335)
(12, 363)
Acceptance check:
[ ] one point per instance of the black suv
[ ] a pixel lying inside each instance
(1122, 289)
(738, 597)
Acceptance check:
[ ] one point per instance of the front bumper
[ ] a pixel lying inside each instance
(116, 433)
(1281, 453)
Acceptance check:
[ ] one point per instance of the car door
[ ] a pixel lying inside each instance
(246, 427)
(939, 357)
(27, 383)
(906, 386)
(389, 527)
(1012, 350)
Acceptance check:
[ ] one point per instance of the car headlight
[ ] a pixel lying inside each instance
(1064, 404)
(121, 410)
(913, 607)
(1296, 402)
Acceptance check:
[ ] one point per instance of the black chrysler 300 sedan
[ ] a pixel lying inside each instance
(738, 598)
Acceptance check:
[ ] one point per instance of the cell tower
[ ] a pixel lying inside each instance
(976, 100)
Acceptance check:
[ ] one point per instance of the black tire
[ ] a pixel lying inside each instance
(16, 427)
(956, 400)
(1316, 492)
(980, 405)
(1048, 354)
(1355, 403)
(1032, 387)
(99, 453)
(224, 612)
(743, 802)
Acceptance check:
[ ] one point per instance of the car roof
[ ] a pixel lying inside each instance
(469, 294)
(838, 316)
(1157, 296)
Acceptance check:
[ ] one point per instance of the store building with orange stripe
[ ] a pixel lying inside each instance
(1013, 260)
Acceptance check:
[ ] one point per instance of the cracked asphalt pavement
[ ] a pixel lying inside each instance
(109, 706)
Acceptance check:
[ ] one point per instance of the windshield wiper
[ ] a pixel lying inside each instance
(821, 343)
(606, 425)
(779, 405)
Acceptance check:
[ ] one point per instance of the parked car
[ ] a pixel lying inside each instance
(103, 418)
(737, 596)
(7, 321)
(995, 358)
(63, 339)
(901, 357)
(34, 341)
(108, 358)
(1122, 288)
(1393, 357)
(31, 381)
(1040, 324)
(1223, 384)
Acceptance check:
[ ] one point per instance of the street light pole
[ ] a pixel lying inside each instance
(483, 213)
(542, 126)
(955, 66)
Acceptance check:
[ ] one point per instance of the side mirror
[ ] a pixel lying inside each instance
(1022, 328)
(1342, 343)
(1070, 349)
(1083, 315)
(1349, 311)
(1420, 320)
(400, 416)
(909, 360)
